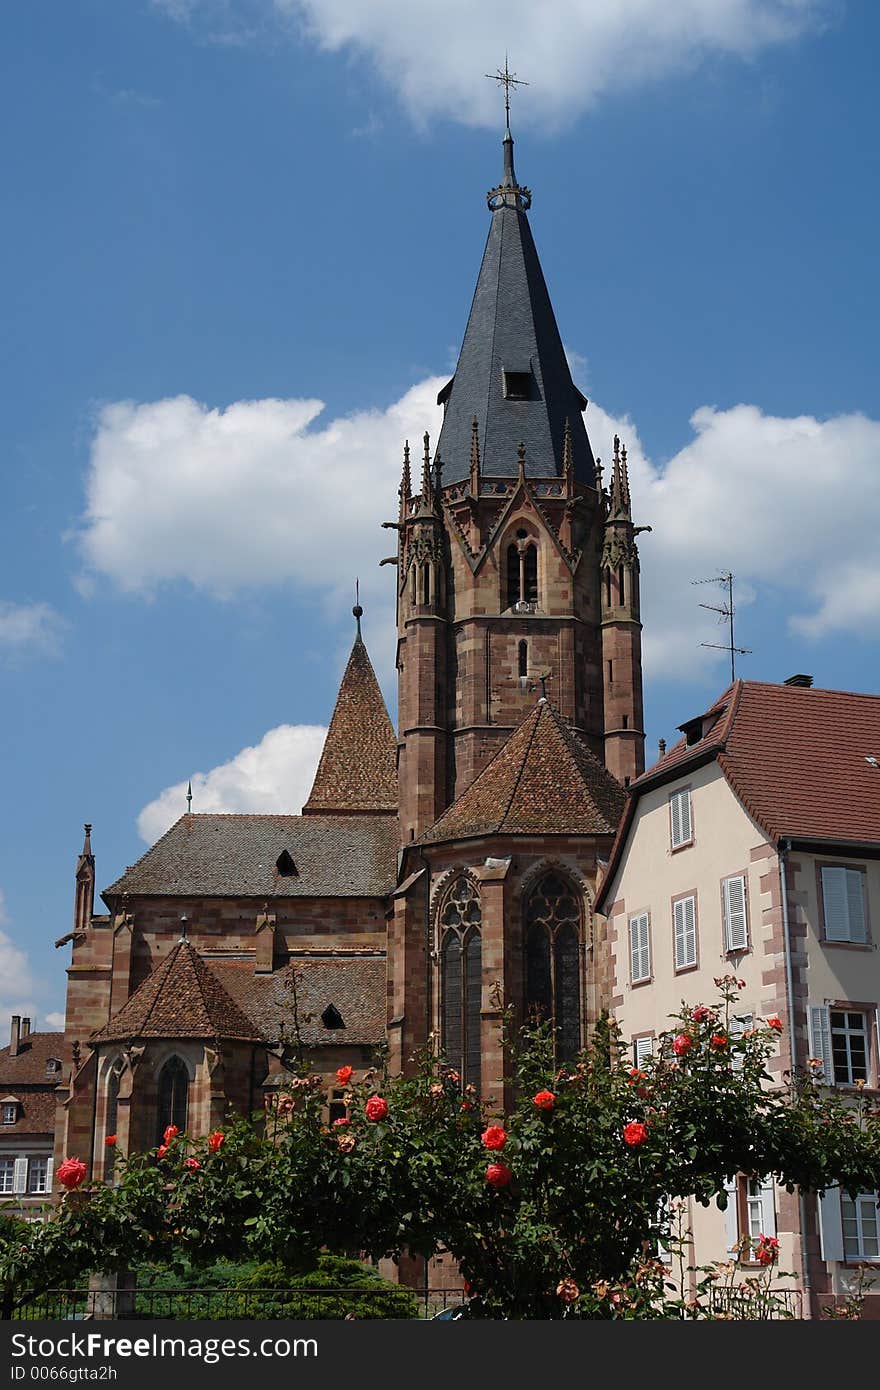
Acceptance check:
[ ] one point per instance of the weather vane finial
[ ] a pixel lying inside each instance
(357, 611)
(506, 79)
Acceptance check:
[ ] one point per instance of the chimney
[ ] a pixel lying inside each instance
(25, 1029)
(800, 680)
(662, 746)
(15, 1036)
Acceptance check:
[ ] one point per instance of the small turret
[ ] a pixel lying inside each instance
(84, 900)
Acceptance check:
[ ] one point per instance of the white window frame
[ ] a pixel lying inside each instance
(734, 916)
(733, 1235)
(739, 1024)
(643, 1049)
(10, 1113)
(848, 1032)
(681, 820)
(844, 905)
(40, 1165)
(684, 962)
(7, 1174)
(863, 1200)
(640, 950)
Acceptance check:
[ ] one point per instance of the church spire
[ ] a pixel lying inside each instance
(512, 374)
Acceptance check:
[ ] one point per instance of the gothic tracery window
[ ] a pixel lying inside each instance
(461, 967)
(522, 571)
(173, 1095)
(552, 949)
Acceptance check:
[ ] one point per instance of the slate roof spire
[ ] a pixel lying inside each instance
(357, 773)
(512, 374)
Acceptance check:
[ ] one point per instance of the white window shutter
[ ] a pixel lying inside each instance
(731, 1217)
(19, 1177)
(736, 931)
(685, 932)
(855, 904)
(675, 818)
(834, 901)
(830, 1225)
(639, 948)
(50, 1164)
(820, 1040)
(685, 798)
(768, 1208)
(643, 1048)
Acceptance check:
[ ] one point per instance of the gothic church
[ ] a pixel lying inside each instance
(437, 875)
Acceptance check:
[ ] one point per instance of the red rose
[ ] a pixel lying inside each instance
(215, 1140)
(376, 1108)
(741, 984)
(170, 1133)
(192, 1164)
(465, 1105)
(110, 1140)
(775, 1023)
(343, 1120)
(162, 1151)
(71, 1173)
(467, 1287)
(568, 1290)
(545, 1100)
(701, 1013)
(682, 1044)
(635, 1133)
(718, 1041)
(498, 1175)
(494, 1137)
(766, 1250)
(344, 1075)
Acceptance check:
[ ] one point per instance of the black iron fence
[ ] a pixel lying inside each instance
(87, 1305)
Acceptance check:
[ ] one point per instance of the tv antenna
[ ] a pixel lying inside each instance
(725, 613)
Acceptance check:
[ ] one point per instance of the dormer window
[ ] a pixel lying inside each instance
(285, 865)
(517, 385)
(332, 1018)
(53, 1066)
(10, 1112)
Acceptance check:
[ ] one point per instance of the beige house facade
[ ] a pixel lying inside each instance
(773, 785)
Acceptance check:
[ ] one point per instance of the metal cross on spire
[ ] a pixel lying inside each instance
(506, 79)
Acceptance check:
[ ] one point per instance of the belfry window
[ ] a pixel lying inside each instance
(522, 572)
(523, 659)
(173, 1096)
(461, 968)
(552, 949)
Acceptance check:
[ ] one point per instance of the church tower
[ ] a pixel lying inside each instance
(500, 553)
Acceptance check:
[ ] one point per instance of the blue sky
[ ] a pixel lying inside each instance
(220, 214)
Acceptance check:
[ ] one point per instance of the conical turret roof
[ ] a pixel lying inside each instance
(358, 768)
(512, 374)
(543, 781)
(181, 999)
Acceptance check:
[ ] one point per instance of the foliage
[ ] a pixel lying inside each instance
(594, 1151)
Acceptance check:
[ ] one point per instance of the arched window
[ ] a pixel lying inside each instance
(111, 1112)
(522, 570)
(461, 970)
(552, 949)
(173, 1094)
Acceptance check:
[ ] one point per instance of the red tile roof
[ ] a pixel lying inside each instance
(183, 998)
(358, 767)
(795, 756)
(542, 781)
(303, 989)
(25, 1077)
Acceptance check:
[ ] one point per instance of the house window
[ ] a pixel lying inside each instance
(849, 1046)
(684, 916)
(172, 1097)
(643, 1049)
(639, 948)
(7, 1174)
(739, 1024)
(734, 913)
(681, 831)
(843, 903)
(10, 1112)
(38, 1175)
(750, 1214)
(338, 1110)
(861, 1228)
(461, 971)
(553, 987)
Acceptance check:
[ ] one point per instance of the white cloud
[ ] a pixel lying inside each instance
(54, 1021)
(433, 53)
(16, 979)
(275, 776)
(29, 629)
(252, 496)
(788, 504)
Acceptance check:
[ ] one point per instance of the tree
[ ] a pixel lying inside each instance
(544, 1209)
